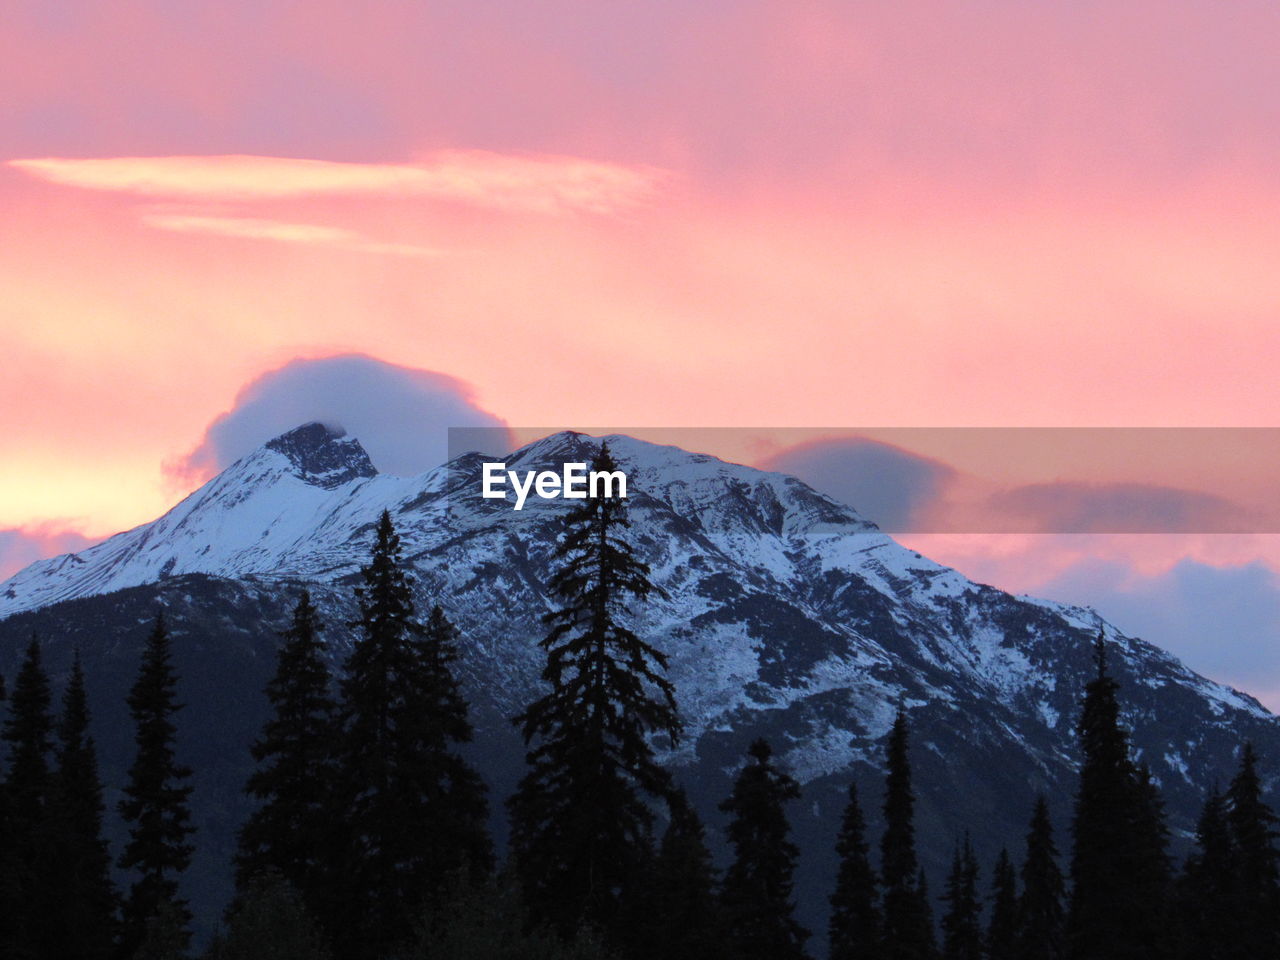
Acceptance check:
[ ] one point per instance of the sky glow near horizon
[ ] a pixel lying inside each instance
(906, 215)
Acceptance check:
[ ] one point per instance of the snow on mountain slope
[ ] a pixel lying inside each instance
(776, 593)
(784, 615)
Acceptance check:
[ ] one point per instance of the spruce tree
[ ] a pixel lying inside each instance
(1253, 832)
(1002, 928)
(1208, 898)
(80, 861)
(292, 833)
(28, 731)
(1119, 870)
(580, 818)
(1040, 910)
(682, 918)
(962, 923)
(908, 929)
(155, 806)
(414, 810)
(757, 892)
(854, 928)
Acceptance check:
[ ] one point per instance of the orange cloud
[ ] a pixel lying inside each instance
(537, 184)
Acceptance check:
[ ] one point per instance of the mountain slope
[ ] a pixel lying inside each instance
(786, 615)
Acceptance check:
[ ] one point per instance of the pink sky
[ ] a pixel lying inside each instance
(767, 213)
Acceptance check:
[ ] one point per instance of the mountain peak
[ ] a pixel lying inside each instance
(323, 455)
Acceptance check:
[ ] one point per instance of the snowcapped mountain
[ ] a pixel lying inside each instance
(786, 615)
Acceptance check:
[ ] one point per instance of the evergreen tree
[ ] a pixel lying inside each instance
(155, 806)
(292, 831)
(1040, 910)
(580, 819)
(1118, 865)
(908, 930)
(81, 865)
(683, 920)
(1253, 834)
(1208, 895)
(962, 923)
(270, 922)
(415, 811)
(10, 885)
(1002, 928)
(28, 731)
(757, 891)
(854, 929)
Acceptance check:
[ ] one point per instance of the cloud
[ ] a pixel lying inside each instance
(1224, 622)
(534, 184)
(886, 484)
(400, 415)
(278, 231)
(21, 546)
(1067, 507)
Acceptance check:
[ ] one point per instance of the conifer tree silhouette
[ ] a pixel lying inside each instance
(683, 919)
(1253, 832)
(1002, 928)
(155, 805)
(413, 808)
(757, 892)
(86, 899)
(908, 925)
(1119, 870)
(580, 822)
(1208, 896)
(962, 923)
(28, 731)
(855, 925)
(1040, 909)
(291, 834)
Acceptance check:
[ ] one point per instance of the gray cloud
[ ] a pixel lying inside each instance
(884, 483)
(400, 415)
(1117, 508)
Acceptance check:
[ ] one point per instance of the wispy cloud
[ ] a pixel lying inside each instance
(308, 234)
(538, 184)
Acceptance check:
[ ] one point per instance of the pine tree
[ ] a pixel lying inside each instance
(11, 931)
(580, 820)
(1002, 928)
(908, 931)
(1119, 870)
(854, 928)
(86, 899)
(962, 923)
(415, 811)
(757, 891)
(1040, 911)
(28, 732)
(155, 806)
(684, 917)
(1253, 832)
(1208, 892)
(292, 831)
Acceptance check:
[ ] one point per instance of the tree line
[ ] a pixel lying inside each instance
(369, 839)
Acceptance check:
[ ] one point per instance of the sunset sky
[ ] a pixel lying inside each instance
(763, 214)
